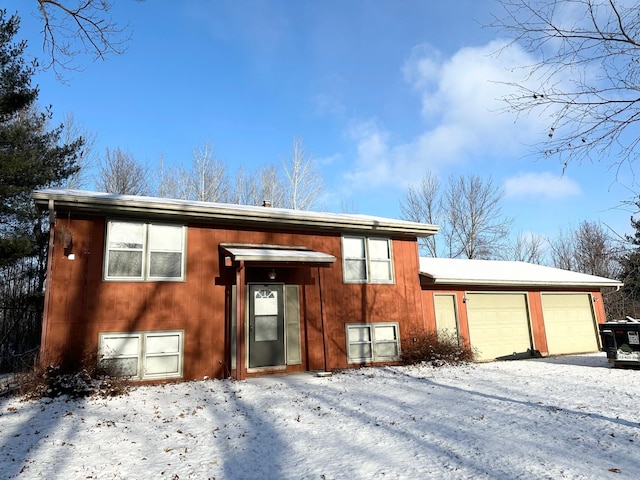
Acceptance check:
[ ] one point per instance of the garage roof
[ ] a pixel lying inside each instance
(456, 271)
(225, 214)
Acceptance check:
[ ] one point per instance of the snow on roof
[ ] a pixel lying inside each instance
(269, 253)
(499, 272)
(232, 213)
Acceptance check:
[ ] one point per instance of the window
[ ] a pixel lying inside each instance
(143, 355)
(144, 251)
(367, 260)
(373, 342)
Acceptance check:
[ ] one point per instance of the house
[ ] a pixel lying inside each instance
(156, 287)
(510, 309)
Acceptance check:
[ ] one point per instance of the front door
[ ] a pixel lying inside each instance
(266, 326)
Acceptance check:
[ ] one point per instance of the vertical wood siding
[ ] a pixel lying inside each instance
(81, 304)
(538, 330)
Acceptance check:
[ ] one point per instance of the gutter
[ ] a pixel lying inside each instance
(227, 214)
(519, 283)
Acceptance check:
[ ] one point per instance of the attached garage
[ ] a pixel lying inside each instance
(513, 309)
(570, 323)
(498, 324)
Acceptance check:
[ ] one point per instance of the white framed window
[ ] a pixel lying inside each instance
(373, 342)
(143, 355)
(144, 251)
(367, 260)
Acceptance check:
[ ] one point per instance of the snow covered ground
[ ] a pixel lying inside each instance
(567, 417)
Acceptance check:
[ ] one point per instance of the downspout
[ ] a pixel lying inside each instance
(228, 309)
(240, 320)
(48, 283)
(324, 340)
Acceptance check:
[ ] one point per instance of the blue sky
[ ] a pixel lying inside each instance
(380, 91)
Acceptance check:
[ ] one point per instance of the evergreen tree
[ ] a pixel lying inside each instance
(31, 154)
(630, 263)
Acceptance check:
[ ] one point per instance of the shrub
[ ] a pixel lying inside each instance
(89, 378)
(436, 349)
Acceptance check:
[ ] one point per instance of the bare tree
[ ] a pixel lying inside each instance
(303, 181)
(468, 211)
(120, 173)
(527, 247)
(171, 182)
(562, 250)
(586, 78)
(477, 228)
(263, 185)
(76, 27)
(589, 248)
(244, 188)
(596, 252)
(593, 249)
(207, 180)
(270, 187)
(86, 159)
(422, 203)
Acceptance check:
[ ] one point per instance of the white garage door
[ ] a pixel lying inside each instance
(569, 323)
(498, 324)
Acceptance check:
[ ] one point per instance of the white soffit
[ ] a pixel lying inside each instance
(456, 271)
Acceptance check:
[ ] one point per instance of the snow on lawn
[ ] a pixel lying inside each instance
(567, 417)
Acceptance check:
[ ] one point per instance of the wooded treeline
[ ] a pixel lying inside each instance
(586, 84)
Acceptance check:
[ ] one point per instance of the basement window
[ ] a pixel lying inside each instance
(144, 251)
(373, 342)
(142, 355)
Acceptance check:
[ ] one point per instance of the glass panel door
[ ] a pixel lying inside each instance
(266, 326)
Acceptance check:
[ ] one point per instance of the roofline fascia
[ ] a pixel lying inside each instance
(229, 215)
(503, 283)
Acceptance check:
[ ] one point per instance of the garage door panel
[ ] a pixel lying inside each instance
(569, 323)
(498, 324)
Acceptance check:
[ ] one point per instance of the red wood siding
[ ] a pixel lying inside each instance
(81, 305)
(534, 303)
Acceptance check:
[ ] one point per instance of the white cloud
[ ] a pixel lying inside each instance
(461, 108)
(543, 184)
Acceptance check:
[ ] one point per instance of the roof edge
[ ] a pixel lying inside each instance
(227, 213)
(519, 283)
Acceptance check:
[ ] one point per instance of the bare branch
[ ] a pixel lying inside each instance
(121, 174)
(422, 203)
(468, 210)
(587, 81)
(527, 247)
(79, 27)
(87, 158)
(477, 227)
(207, 181)
(304, 182)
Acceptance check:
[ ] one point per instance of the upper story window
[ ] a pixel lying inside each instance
(144, 251)
(367, 260)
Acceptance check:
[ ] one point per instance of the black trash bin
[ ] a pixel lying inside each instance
(621, 341)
